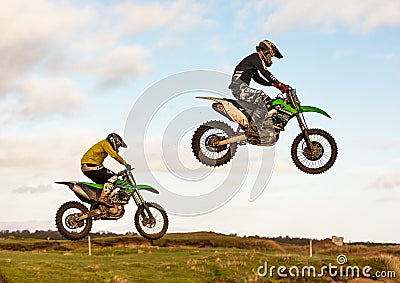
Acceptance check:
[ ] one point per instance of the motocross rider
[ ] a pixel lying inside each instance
(250, 68)
(93, 168)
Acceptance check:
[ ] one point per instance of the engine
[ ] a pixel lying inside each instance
(115, 212)
(282, 117)
(118, 199)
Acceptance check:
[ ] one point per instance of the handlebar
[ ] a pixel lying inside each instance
(128, 168)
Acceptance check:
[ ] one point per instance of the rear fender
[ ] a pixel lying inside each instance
(81, 191)
(70, 184)
(231, 110)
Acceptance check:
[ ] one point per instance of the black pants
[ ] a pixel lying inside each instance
(99, 176)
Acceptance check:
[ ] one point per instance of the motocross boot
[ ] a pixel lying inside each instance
(107, 189)
(264, 126)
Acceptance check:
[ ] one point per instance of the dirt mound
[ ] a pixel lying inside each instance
(215, 240)
(327, 247)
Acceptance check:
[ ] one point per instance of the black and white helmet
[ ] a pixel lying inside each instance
(267, 50)
(116, 141)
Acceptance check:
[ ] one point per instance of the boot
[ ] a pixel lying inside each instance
(107, 188)
(263, 125)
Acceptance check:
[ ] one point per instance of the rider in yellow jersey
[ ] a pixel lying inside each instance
(92, 163)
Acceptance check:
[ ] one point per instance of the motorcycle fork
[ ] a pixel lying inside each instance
(137, 197)
(139, 200)
(304, 130)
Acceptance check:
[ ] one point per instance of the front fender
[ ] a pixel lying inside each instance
(313, 109)
(147, 188)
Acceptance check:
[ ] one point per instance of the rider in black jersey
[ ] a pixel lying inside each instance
(250, 68)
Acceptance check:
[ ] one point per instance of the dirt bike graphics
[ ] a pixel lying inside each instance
(214, 143)
(74, 220)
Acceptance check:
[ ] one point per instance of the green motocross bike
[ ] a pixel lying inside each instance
(214, 143)
(74, 220)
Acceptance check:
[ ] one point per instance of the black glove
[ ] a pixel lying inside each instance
(128, 167)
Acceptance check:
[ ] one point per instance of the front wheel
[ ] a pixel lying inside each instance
(154, 225)
(320, 157)
(67, 224)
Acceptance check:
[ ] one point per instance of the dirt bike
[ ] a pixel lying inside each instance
(214, 143)
(74, 220)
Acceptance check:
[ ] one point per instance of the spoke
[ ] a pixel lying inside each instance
(210, 153)
(68, 214)
(159, 222)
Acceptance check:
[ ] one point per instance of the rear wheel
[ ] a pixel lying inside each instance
(154, 226)
(203, 143)
(320, 157)
(67, 224)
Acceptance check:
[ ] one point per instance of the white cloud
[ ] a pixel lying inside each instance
(392, 145)
(126, 21)
(121, 63)
(41, 96)
(388, 199)
(169, 42)
(388, 56)
(34, 189)
(388, 181)
(181, 15)
(31, 32)
(39, 155)
(46, 44)
(382, 146)
(40, 21)
(359, 16)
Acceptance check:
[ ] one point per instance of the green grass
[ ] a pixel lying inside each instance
(170, 259)
(124, 265)
(147, 264)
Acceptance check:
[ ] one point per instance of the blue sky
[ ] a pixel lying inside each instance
(71, 71)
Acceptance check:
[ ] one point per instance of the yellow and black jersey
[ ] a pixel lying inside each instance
(97, 153)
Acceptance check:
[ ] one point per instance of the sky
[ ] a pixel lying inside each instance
(72, 71)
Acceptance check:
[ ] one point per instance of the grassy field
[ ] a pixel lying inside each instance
(193, 257)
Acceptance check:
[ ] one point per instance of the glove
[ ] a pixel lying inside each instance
(128, 167)
(281, 87)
